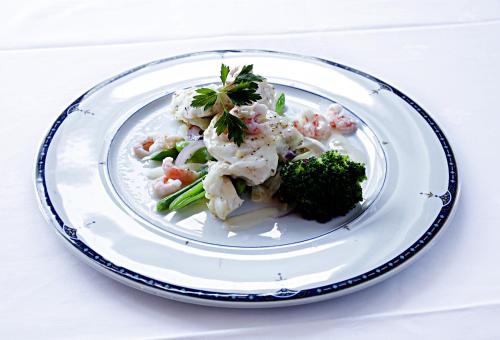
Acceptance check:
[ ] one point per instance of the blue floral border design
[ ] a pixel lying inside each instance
(283, 294)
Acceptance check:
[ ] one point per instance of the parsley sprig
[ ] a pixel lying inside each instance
(235, 127)
(206, 98)
(241, 91)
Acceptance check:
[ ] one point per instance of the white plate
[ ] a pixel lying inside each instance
(96, 196)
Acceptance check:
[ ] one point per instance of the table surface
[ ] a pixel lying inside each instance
(445, 55)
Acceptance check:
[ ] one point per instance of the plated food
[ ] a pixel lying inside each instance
(238, 142)
(154, 133)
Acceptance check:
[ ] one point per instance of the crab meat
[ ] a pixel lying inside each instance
(340, 120)
(253, 116)
(313, 125)
(220, 191)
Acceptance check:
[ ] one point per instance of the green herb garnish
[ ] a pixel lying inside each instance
(280, 104)
(242, 91)
(246, 75)
(235, 127)
(224, 71)
(206, 98)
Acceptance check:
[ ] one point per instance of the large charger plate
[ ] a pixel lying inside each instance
(95, 193)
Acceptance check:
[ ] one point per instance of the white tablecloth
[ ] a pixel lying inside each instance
(444, 54)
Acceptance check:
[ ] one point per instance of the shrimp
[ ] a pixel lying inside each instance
(167, 163)
(173, 179)
(142, 148)
(163, 188)
(343, 122)
(171, 171)
(312, 125)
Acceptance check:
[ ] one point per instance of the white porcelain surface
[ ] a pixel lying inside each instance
(92, 193)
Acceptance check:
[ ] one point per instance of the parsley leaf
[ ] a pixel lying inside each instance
(224, 71)
(246, 75)
(280, 104)
(206, 98)
(235, 127)
(243, 93)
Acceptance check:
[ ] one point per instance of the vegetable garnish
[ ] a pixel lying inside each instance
(322, 187)
(200, 156)
(206, 98)
(246, 75)
(160, 155)
(280, 104)
(235, 127)
(224, 71)
(240, 185)
(195, 193)
(241, 91)
(164, 203)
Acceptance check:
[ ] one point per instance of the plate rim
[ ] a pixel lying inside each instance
(283, 296)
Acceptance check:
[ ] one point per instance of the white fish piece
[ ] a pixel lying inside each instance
(255, 159)
(286, 137)
(182, 110)
(270, 136)
(223, 198)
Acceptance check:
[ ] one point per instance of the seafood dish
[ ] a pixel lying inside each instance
(239, 143)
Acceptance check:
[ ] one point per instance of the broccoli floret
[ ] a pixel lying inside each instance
(322, 187)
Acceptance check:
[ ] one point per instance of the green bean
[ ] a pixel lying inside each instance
(165, 202)
(188, 197)
(160, 155)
